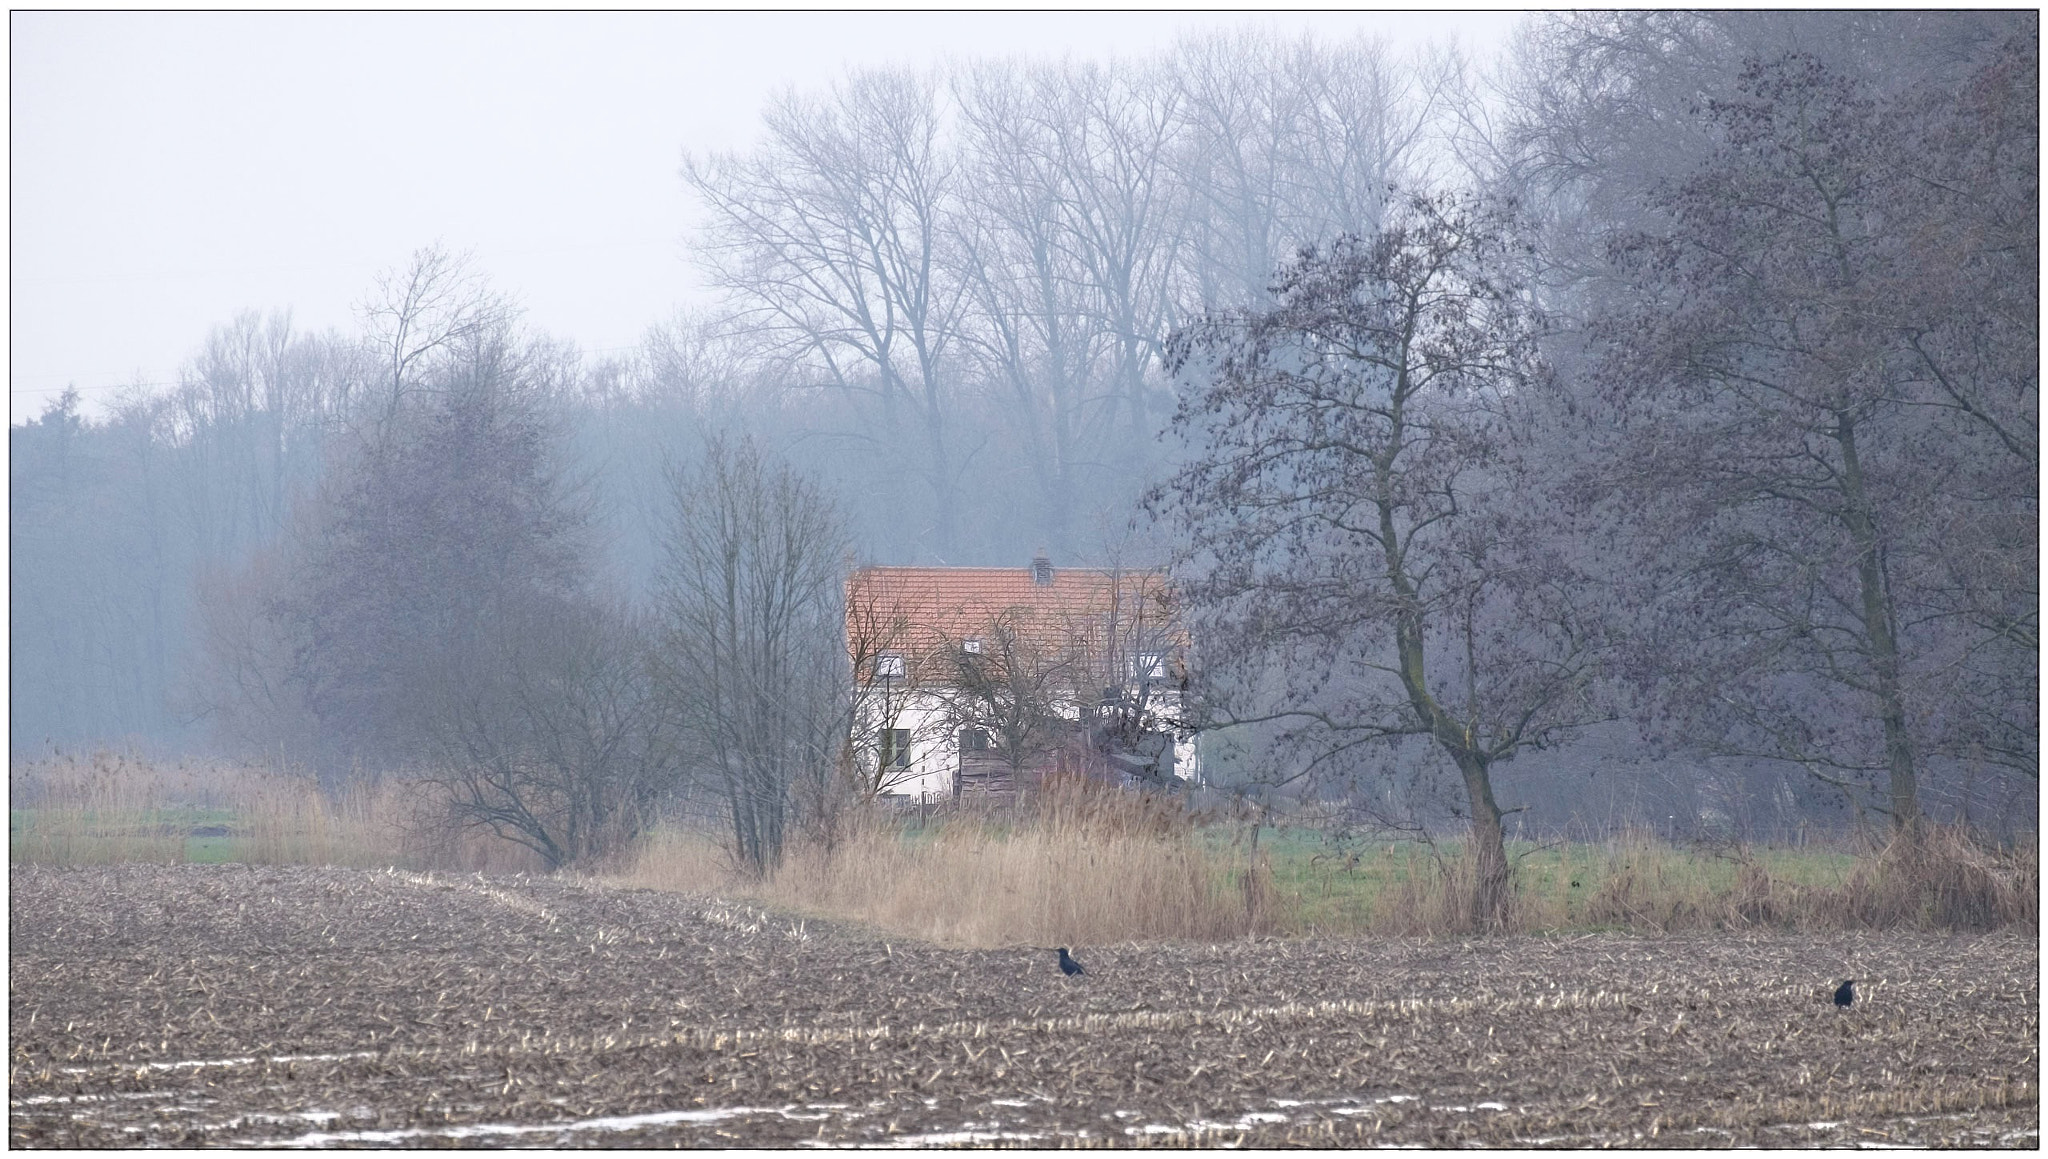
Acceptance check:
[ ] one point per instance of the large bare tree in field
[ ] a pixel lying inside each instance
(1356, 515)
(831, 236)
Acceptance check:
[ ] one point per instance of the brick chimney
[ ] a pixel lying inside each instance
(1041, 569)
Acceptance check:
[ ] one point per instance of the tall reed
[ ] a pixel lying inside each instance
(1078, 865)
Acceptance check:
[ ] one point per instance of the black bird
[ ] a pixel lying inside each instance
(1845, 993)
(1069, 966)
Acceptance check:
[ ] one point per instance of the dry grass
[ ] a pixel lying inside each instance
(113, 807)
(1943, 880)
(1082, 865)
(1432, 899)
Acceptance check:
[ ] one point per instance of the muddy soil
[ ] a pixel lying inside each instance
(299, 1007)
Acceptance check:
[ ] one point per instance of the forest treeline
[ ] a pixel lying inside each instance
(1643, 429)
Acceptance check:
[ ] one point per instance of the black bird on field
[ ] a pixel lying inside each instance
(1845, 993)
(1069, 966)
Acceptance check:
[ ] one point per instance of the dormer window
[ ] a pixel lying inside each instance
(971, 645)
(889, 666)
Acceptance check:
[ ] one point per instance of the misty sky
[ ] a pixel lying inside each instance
(171, 169)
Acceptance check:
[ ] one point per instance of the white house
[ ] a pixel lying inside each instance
(984, 679)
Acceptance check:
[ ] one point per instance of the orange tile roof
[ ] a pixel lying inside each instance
(926, 611)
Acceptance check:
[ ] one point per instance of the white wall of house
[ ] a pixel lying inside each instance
(935, 746)
(934, 751)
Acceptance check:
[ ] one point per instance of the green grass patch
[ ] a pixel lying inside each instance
(173, 834)
(1340, 887)
(170, 835)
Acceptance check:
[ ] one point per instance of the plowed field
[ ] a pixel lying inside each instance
(225, 1005)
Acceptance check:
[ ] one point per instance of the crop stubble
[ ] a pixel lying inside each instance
(226, 1005)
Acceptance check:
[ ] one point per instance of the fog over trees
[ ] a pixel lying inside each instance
(1643, 431)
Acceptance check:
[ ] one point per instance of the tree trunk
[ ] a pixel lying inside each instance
(1489, 856)
(1489, 851)
(1880, 638)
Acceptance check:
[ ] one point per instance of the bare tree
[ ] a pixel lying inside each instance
(1134, 676)
(1284, 143)
(1127, 226)
(248, 413)
(437, 308)
(1015, 690)
(1601, 110)
(1353, 514)
(1971, 318)
(1032, 324)
(751, 657)
(830, 237)
(1070, 257)
(1839, 579)
(451, 506)
(545, 730)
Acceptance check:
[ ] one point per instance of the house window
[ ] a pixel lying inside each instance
(973, 740)
(889, 666)
(1151, 665)
(896, 747)
(971, 645)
